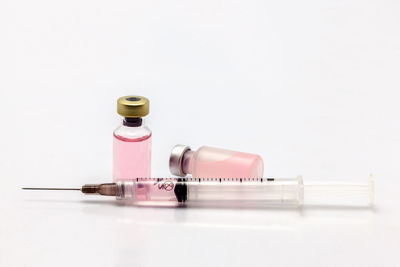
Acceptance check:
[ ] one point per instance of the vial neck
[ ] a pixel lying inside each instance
(187, 162)
(132, 122)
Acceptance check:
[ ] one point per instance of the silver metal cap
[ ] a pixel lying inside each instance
(176, 159)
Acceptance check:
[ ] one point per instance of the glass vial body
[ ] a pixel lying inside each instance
(210, 162)
(132, 150)
(132, 140)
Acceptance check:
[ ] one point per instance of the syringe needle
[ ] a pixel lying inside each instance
(108, 189)
(50, 188)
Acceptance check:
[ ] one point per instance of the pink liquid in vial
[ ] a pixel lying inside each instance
(132, 157)
(209, 162)
(239, 165)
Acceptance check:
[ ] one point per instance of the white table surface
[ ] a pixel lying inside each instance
(312, 86)
(73, 230)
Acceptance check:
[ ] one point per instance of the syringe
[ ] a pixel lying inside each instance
(236, 192)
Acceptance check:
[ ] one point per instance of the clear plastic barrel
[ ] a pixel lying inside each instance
(241, 192)
(237, 192)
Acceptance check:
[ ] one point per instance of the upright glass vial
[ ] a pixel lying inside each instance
(132, 140)
(210, 162)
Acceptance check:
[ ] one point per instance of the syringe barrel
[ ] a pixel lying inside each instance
(245, 192)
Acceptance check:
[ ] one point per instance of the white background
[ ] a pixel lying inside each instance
(312, 86)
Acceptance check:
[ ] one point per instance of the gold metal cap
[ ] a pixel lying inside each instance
(133, 106)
